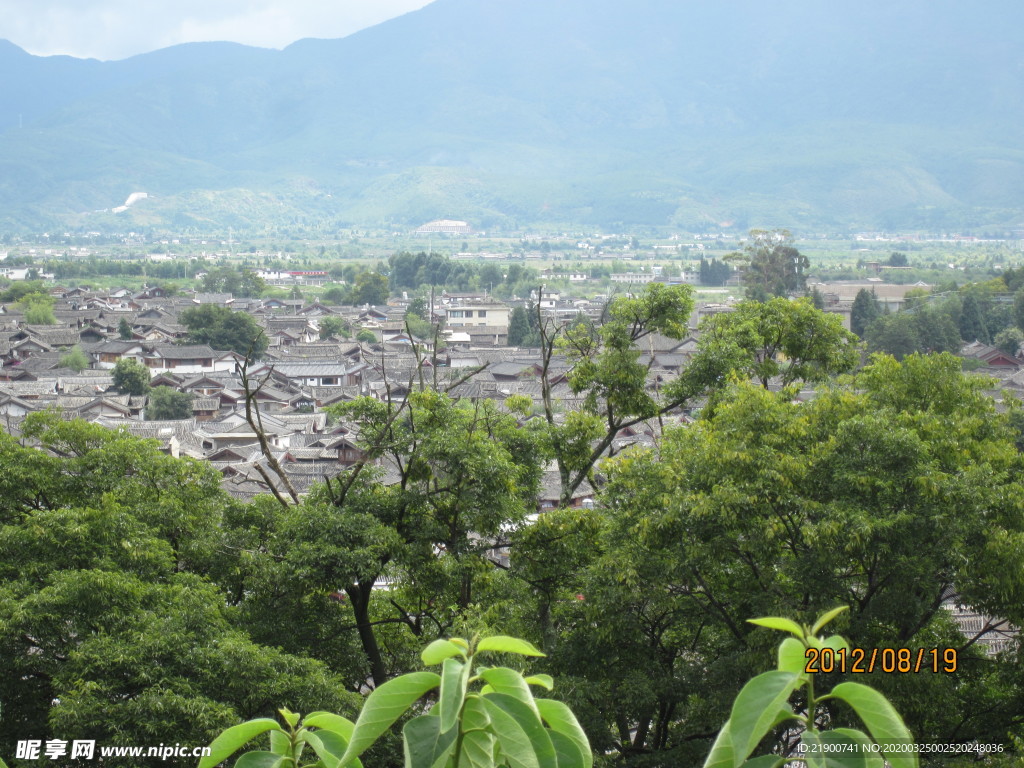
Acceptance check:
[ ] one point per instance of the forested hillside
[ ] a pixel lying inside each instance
(878, 114)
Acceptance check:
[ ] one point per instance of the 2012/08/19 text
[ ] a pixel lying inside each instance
(867, 660)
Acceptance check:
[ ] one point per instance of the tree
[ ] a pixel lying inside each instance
(773, 265)
(466, 474)
(131, 377)
(714, 272)
(518, 327)
(333, 326)
(972, 320)
(883, 493)
(38, 308)
(606, 370)
(337, 294)
(366, 336)
(865, 311)
(896, 335)
(224, 329)
(167, 404)
(371, 288)
(237, 282)
(897, 259)
(124, 329)
(926, 328)
(780, 338)
(107, 549)
(75, 359)
(1009, 340)
(417, 319)
(20, 289)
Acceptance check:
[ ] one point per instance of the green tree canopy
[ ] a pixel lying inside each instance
(333, 326)
(866, 309)
(884, 494)
(780, 338)
(108, 551)
(370, 288)
(38, 308)
(224, 329)
(131, 377)
(167, 404)
(75, 359)
(773, 265)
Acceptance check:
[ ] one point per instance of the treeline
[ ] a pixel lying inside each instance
(150, 604)
(179, 269)
(945, 319)
(412, 271)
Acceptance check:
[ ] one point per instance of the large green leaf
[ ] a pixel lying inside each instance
(474, 714)
(280, 743)
(477, 750)
(836, 643)
(882, 721)
(260, 760)
(328, 746)
(385, 705)
(454, 679)
(505, 644)
(777, 622)
(425, 744)
(756, 708)
(792, 656)
(720, 755)
(515, 743)
(329, 721)
(528, 717)
(560, 718)
(508, 681)
(439, 650)
(825, 618)
(544, 681)
(840, 748)
(567, 751)
(234, 738)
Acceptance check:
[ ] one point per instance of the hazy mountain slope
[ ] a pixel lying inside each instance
(897, 113)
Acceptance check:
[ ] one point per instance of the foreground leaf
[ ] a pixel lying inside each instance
(756, 708)
(777, 622)
(528, 718)
(439, 650)
(505, 644)
(882, 721)
(384, 706)
(260, 760)
(560, 718)
(234, 738)
(424, 744)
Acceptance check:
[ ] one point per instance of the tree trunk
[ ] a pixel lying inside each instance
(359, 594)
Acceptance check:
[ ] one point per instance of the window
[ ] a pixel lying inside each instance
(483, 313)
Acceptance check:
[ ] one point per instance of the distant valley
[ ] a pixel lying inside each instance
(523, 113)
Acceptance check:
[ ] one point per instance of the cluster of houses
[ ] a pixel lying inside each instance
(301, 374)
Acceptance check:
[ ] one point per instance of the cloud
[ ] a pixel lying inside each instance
(116, 29)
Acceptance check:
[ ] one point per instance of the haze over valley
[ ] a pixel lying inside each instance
(895, 115)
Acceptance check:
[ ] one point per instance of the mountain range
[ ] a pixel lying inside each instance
(891, 114)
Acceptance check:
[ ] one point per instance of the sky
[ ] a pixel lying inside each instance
(117, 29)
